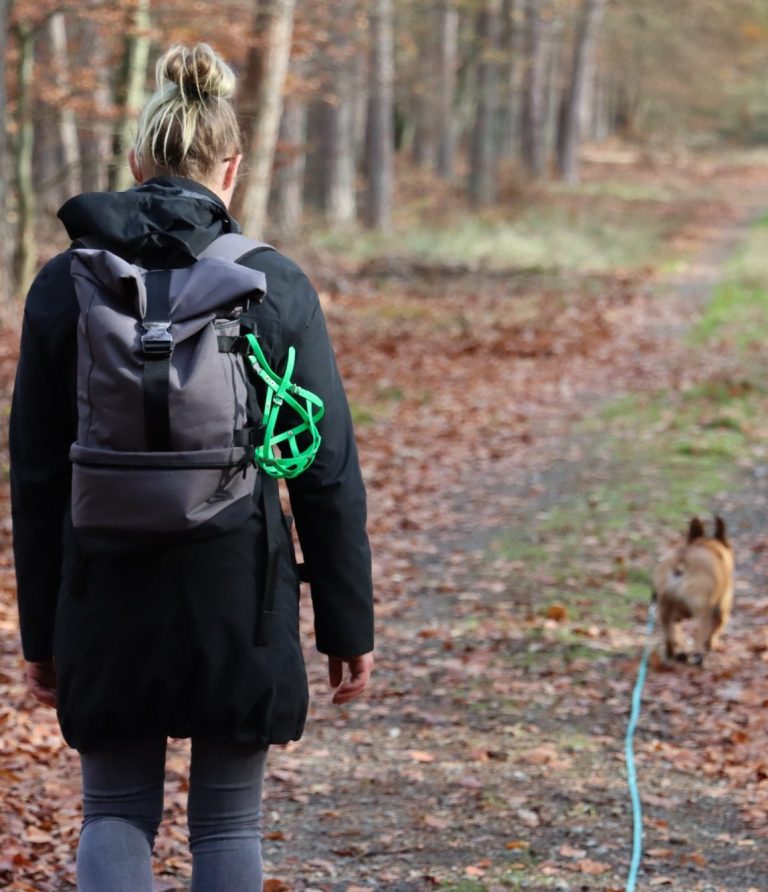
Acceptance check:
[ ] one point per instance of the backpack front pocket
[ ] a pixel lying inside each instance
(168, 492)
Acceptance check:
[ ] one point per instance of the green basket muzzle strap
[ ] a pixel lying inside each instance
(281, 391)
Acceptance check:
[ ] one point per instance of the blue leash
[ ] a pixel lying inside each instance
(637, 812)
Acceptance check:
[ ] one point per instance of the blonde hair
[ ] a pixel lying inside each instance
(188, 125)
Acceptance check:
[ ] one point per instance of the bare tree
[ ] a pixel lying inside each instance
(340, 192)
(379, 143)
(539, 17)
(288, 184)
(5, 254)
(482, 173)
(448, 37)
(571, 122)
(67, 125)
(131, 90)
(261, 106)
(25, 253)
(512, 32)
(425, 87)
(95, 131)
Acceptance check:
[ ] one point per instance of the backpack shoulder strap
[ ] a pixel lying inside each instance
(233, 246)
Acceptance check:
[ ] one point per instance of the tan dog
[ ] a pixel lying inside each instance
(695, 582)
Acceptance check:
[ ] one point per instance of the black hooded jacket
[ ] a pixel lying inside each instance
(163, 643)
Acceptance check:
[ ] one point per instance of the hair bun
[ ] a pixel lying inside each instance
(198, 73)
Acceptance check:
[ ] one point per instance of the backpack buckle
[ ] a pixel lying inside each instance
(157, 339)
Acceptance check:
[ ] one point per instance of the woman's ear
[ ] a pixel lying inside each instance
(230, 173)
(133, 163)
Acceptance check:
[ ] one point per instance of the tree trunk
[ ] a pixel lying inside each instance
(288, 187)
(131, 92)
(318, 140)
(425, 91)
(341, 199)
(262, 105)
(448, 33)
(482, 175)
(25, 254)
(586, 40)
(5, 239)
(600, 122)
(340, 192)
(511, 74)
(69, 145)
(534, 116)
(555, 78)
(95, 131)
(380, 125)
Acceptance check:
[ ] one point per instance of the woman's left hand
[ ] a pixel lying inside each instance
(41, 681)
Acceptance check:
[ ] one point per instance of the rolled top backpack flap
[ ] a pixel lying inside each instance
(213, 285)
(103, 276)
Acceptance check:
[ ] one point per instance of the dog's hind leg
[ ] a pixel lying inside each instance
(708, 621)
(720, 615)
(671, 630)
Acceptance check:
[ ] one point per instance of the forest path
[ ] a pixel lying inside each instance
(490, 753)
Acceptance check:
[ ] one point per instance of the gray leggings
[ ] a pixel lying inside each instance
(123, 805)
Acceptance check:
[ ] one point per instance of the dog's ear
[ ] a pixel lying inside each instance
(720, 533)
(695, 530)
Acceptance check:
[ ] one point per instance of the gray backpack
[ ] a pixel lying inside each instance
(165, 408)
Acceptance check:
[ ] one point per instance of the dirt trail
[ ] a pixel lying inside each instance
(479, 766)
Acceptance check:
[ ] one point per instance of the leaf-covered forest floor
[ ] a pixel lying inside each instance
(531, 438)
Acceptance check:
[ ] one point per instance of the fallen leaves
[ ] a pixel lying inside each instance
(421, 756)
(591, 868)
(494, 725)
(556, 612)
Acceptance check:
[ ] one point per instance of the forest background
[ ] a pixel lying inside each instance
(538, 230)
(344, 102)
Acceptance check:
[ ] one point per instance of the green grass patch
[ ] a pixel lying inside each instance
(464, 886)
(592, 235)
(737, 315)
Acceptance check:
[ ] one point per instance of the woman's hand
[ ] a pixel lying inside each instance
(360, 669)
(41, 681)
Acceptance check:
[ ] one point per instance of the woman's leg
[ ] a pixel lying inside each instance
(122, 808)
(224, 814)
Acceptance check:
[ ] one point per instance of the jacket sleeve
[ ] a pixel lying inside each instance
(329, 505)
(41, 432)
(328, 500)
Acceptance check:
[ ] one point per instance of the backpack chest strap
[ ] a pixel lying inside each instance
(157, 347)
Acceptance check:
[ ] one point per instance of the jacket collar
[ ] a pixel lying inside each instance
(171, 206)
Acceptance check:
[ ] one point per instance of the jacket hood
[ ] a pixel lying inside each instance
(164, 206)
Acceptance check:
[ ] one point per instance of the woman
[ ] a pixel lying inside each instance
(133, 649)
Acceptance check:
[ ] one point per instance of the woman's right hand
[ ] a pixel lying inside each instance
(360, 669)
(41, 681)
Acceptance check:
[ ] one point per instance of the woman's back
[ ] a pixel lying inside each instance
(163, 642)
